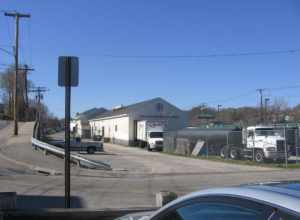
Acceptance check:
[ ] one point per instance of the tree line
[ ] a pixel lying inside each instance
(27, 101)
(277, 112)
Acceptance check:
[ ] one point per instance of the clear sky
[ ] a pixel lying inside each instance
(92, 29)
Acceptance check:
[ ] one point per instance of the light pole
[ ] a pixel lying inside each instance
(219, 106)
(266, 119)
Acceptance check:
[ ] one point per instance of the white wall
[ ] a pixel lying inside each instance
(117, 129)
(173, 117)
(82, 128)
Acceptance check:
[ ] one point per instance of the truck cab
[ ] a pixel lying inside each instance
(155, 139)
(266, 142)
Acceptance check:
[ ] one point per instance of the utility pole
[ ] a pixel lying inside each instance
(219, 106)
(39, 96)
(17, 17)
(261, 105)
(266, 109)
(26, 69)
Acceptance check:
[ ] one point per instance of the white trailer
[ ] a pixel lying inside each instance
(150, 134)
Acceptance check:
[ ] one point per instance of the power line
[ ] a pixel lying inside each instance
(251, 92)
(246, 94)
(238, 54)
(7, 51)
(284, 87)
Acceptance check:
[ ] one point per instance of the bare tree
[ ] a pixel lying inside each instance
(7, 89)
(278, 109)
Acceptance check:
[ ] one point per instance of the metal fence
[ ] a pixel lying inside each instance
(218, 142)
(81, 161)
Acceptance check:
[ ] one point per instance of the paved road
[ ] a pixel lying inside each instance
(136, 177)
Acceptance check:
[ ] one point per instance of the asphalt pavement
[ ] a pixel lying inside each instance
(137, 175)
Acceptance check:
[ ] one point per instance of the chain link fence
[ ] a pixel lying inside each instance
(277, 145)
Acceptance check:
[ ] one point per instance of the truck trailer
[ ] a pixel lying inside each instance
(256, 142)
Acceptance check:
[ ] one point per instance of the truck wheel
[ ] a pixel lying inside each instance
(234, 154)
(90, 150)
(222, 152)
(259, 156)
(148, 147)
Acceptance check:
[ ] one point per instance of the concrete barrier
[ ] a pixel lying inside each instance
(164, 197)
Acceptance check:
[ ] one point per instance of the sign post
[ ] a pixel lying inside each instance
(68, 69)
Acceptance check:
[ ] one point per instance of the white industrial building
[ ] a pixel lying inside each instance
(80, 126)
(120, 124)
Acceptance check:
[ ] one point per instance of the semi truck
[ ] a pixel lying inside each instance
(260, 143)
(150, 134)
(256, 142)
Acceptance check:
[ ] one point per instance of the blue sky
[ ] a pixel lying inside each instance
(93, 29)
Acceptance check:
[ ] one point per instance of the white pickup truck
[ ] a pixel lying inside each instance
(150, 134)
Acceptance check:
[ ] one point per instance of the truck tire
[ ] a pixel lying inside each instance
(148, 147)
(224, 152)
(140, 144)
(259, 156)
(90, 150)
(233, 153)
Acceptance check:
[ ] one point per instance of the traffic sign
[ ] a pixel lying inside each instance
(68, 71)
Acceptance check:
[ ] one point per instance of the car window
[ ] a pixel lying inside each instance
(214, 211)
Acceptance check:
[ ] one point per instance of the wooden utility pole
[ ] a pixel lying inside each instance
(17, 17)
(39, 96)
(219, 106)
(26, 69)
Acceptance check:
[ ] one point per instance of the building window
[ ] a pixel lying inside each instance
(116, 128)
(159, 107)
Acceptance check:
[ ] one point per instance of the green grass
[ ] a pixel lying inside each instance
(241, 162)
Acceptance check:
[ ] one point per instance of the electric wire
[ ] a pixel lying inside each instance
(238, 54)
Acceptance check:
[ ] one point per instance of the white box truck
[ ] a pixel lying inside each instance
(150, 134)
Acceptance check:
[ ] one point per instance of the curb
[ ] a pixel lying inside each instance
(31, 167)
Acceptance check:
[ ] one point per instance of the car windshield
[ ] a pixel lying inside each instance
(156, 134)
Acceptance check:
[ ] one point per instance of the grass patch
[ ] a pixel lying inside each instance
(247, 162)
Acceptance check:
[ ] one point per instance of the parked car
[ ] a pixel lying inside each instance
(272, 201)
